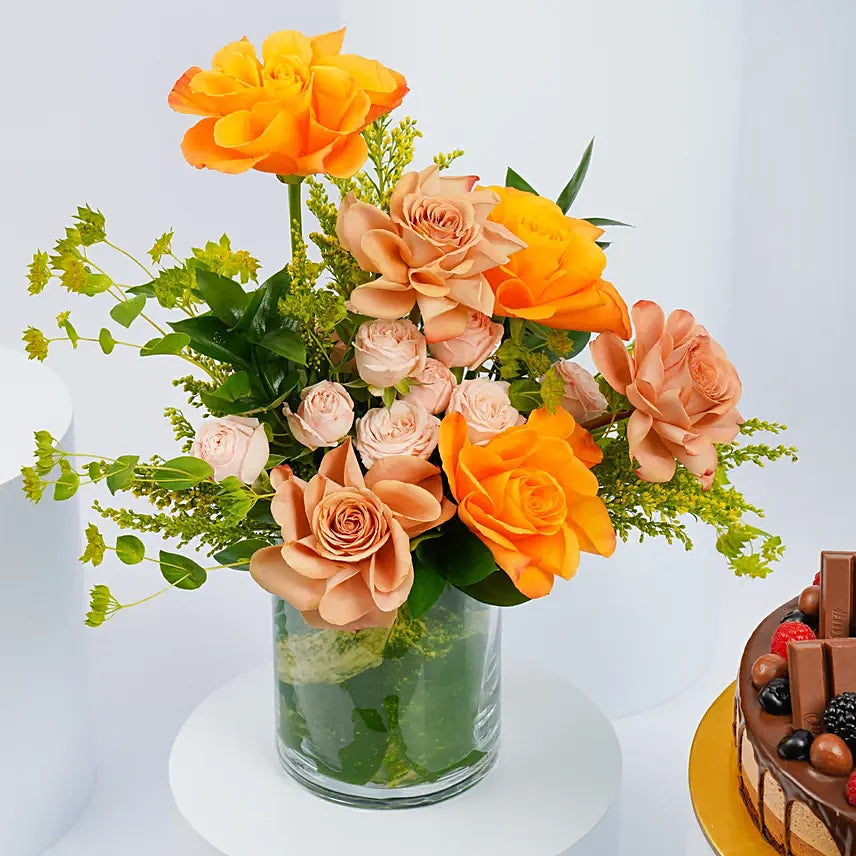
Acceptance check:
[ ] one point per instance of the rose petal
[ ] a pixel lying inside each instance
(272, 573)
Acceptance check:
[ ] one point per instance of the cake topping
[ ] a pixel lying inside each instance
(809, 602)
(851, 788)
(840, 718)
(767, 667)
(791, 631)
(775, 697)
(817, 579)
(807, 671)
(829, 754)
(796, 745)
(841, 659)
(836, 602)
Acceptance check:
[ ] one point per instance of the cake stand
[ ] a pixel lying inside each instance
(553, 791)
(716, 800)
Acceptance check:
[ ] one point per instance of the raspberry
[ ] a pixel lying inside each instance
(851, 788)
(787, 632)
(816, 579)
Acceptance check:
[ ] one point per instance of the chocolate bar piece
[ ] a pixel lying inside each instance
(841, 665)
(836, 594)
(807, 673)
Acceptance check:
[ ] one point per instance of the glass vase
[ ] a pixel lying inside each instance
(390, 718)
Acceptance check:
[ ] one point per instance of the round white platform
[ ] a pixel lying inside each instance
(551, 792)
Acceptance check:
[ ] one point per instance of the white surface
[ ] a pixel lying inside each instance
(569, 778)
(45, 742)
(115, 144)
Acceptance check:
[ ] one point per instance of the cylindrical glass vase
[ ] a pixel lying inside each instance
(390, 718)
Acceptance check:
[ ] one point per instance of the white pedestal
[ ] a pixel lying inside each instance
(553, 791)
(47, 770)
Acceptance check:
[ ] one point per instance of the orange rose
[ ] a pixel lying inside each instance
(556, 280)
(300, 111)
(529, 496)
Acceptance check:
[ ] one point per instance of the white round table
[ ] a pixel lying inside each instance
(553, 791)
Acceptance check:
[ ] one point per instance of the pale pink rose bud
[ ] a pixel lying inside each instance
(233, 446)
(475, 345)
(583, 398)
(403, 429)
(389, 351)
(434, 389)
(486, 407)
(325, 415)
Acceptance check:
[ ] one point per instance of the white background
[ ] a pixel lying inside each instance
(726, 133)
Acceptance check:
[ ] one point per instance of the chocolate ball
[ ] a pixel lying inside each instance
(810, 601)
(767, 667)
(829, 754)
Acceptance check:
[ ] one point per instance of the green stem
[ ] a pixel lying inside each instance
(134, 259)
(295, 214)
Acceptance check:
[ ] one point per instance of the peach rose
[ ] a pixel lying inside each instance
(486, 407)
(477, 343)
(325, 415)
(433, 248)
(556, 280)
(528, 497)
(297, 112)
(233, 446)
(433, 388)
(683, 387)
(403, 429)
(583, 398)
(345, 559)
(389, 351)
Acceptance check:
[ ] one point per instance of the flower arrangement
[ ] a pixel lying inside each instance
(399, 408)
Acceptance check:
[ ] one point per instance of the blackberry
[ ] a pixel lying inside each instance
(840, 718)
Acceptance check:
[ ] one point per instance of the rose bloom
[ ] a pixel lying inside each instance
(433, 387)
(402, 429)
(233, 446)
(486, 407)
(433, 248)
(477, 343)
(325, 415)
(297, 112)
(683, 387)
(528, 497)
(582, 398)
(345, 559)
(556, 280)
(389, 351)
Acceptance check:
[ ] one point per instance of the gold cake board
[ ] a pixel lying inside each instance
(716, 798)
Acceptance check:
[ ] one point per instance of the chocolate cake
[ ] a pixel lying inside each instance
(795, 718)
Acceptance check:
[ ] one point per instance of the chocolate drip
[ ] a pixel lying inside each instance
(824, 795)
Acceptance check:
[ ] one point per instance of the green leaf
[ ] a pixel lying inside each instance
(285, 343)
(459, 555)
(180, 571)
(67, 483)
(238, 556)
(182, 473)
(572, 188)
(428, 585)
(210, 336)
(525, 395)
(513, 179)
(267, 316)
(130, 549)
(403, 386)
(172, 343)
(388, 396)
(605, 221)
(121, 472)
(604, 244)
(72, 334)
(96, 283)
(234, 387)
(126, 312)
(146, 290)
(225, 296)
(106, 341)
(250, 311)
(497, 590)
